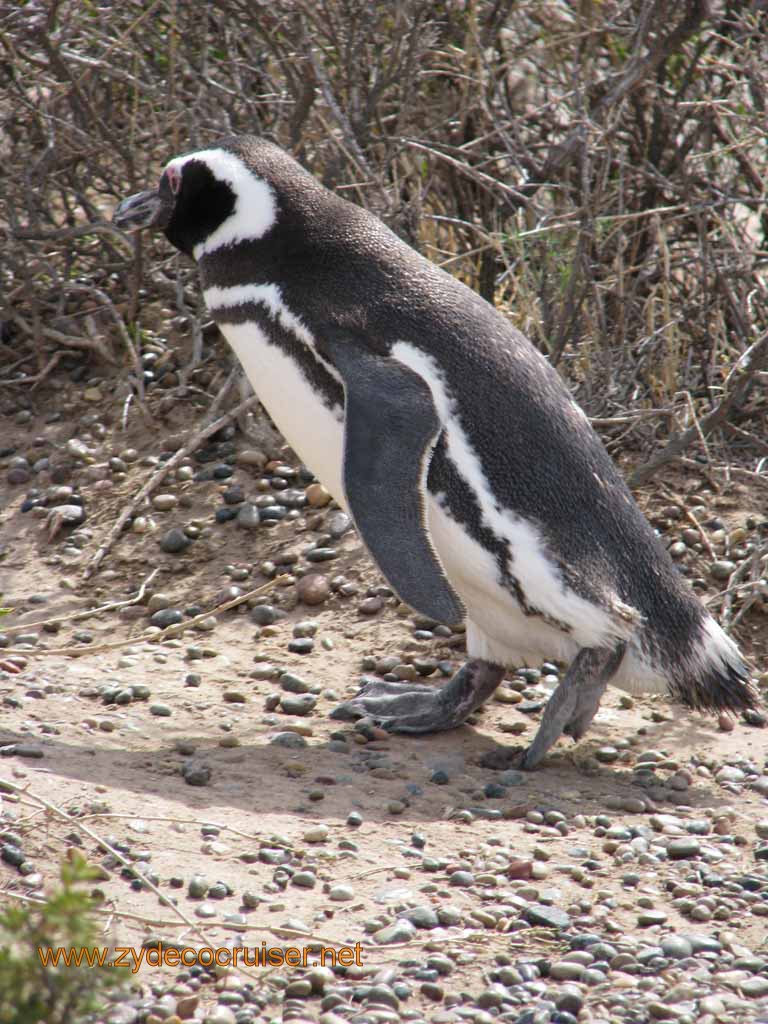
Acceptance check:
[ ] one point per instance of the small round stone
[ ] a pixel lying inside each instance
(248, 517)
(341, 893)
(566, 970)
(196, 774)
(301, 645)
(649, 918)
(683, 848)
(165, 617)
(316, 834)
(304, 879)
(317, 496)
(290, 740)
(174, 541)
(607, 755)
(676, 947)
(547, 917)
(400, 931)
(298, 704)
(164, 502)
(313, 589)
(722, 569)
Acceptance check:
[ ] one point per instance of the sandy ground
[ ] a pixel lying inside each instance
(117, 769)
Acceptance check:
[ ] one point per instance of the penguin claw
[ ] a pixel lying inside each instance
(390, 704)
(397, 707)
(501, 758)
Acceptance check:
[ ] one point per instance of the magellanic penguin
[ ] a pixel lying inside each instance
(474, 479)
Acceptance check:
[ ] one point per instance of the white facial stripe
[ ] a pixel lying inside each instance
(268, 295)
(541, 581)
(255, 203)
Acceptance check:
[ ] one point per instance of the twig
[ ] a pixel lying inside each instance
(152, 638)
(478, 176)
(68, 340)
(734, 584)
(88, 612)
(157, 922)
(72, 822)
(90, 289)
(157, 476)
(754, 360)
(629, 417)
(343, 122)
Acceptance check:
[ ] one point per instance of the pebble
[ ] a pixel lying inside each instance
(566, 970)
(313, 589)
(164, 502)
(676, 947)
(298, 704)
(165, 617)
(649, 918)
(251, 457)
(265, 614)
(722, 569)
(421, 917)
(301, 645)
(338, 524)
(400, 931)
(683, 849)
(607, 755)
(317, 496)
(322, 554)
(174, 541)
(341, 893)
(290, 740)
(547, 917)
(196, 773)
(304, 879)
(248, 517)
(755, 988)
(316, 834)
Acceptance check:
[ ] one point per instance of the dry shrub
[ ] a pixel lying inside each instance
(598, 170)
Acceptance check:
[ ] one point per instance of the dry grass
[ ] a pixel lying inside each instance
(598, 170)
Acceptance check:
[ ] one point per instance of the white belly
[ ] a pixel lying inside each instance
(315, 432)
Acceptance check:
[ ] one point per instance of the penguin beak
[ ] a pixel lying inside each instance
(144, 210)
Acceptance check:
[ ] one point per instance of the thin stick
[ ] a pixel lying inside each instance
(754, 360)
(156, 922)
(165, 634)
(157, 476)
(693, 521)
(25, 792)
(86, 614)
(734, 583)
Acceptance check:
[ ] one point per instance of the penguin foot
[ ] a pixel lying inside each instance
(419, 707)
(500, 758)
(574, 703)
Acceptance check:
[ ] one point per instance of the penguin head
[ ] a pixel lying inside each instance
(218, 196)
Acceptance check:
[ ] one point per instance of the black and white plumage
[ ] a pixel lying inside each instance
(475, 480)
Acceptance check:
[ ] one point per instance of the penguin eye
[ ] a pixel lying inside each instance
(173, 174)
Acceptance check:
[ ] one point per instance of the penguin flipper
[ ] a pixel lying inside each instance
(391, 426)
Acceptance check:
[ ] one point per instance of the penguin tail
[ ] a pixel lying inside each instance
(711, 675)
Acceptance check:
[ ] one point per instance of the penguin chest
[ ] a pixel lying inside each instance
(314, 429)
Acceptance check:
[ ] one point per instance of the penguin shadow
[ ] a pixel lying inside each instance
(428, 777)
(682, 736)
